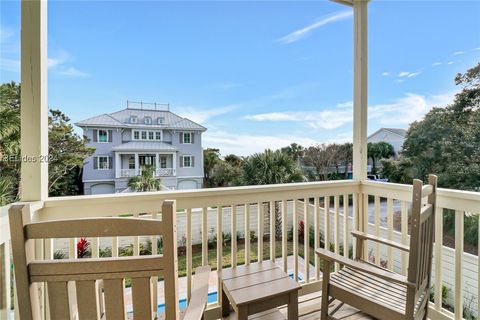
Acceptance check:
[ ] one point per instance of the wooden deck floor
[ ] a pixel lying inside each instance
(309, 309)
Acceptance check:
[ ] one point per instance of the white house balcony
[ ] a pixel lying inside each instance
(130, 164)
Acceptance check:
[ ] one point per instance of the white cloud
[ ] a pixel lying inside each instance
(325, 119)
(72, 72)
(386, 74)
(5, 34)
(301, 33)
(457, 53)
(201, 115)
(450, 62)
(247, 144)
(407, 74)
(476, 49)
(11, 65)
(435, 64)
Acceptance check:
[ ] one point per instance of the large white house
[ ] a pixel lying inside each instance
(394, 136)
(140, 135)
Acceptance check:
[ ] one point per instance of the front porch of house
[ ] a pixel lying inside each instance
(129, 164)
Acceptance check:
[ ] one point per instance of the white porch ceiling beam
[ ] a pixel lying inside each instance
(34, 109)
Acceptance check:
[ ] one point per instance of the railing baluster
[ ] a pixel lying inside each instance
(233, 221)
(95, 248)
(285, 234)
(247, 233)
(219, 249)
(272, 231)
(72, 248)
(306, 240)
(154, 280)
(5, 251)
(316, 233)
(478, 267)
(390, 232)
(404, 229)
(356, 221)
(295, 241)
(438, 257)
(114, 247)
(204, 236)
(346, 215)
(377, 229)
(136, 242)
(336, 235)
(260, 230)
(326, 226)
(459, 228)
(189, 253)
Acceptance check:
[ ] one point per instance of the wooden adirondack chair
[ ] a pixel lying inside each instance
(86, 274)
(377, 291)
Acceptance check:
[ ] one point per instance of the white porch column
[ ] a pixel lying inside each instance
(174, 163)
(34, 109)
(137, 164)
(360, 100)
(118, 164)
(157, 163)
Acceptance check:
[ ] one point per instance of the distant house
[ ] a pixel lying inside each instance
(142, 134)
(394, 136)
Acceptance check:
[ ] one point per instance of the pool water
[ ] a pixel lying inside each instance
(212, 297)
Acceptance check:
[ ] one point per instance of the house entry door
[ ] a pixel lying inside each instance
(147, 160)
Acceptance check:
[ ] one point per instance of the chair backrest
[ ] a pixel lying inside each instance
(71, 280)
(421, 243)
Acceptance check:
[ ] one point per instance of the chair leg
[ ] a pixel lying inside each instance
(325, 282)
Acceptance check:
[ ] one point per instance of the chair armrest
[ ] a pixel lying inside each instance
(365, 236)
(199, 298)
(387, 275)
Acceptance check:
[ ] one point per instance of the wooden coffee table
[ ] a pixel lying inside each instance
(258, 287)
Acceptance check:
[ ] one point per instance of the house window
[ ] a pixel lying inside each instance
(187, 161)
(158, 135)
(133, 119)
(161, 120)
(144, 135)
(136, 135)
(187, 137)
(131, 162)
(163, 162)
(102, 136)
(148, 120)
(103, 163)
(150, 135)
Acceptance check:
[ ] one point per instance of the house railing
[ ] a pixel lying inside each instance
(275, 210)
(159, 172)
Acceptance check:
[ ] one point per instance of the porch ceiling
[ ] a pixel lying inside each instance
(134, 146)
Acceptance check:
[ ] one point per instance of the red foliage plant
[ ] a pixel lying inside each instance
(301, 229)
(82, 247)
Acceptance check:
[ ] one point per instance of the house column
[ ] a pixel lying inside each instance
(157, 163)
(137, 164)
(34, 109)
(360, 98)
(174, 163)
(118, 164)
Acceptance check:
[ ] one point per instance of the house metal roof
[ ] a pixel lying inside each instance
(122, 119)
(397, 131)
(144, 146)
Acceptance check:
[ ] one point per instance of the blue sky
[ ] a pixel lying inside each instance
(256, 74)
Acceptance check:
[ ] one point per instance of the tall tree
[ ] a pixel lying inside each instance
(317, 157)
(295, 150)
(211, 157)
(377, 151)
(346, 156)
(146, 181)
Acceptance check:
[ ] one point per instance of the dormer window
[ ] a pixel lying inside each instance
(161, 120)
(148, 120)
(133, 119)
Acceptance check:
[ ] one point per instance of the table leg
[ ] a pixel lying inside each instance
(293, 306)
(225, 304)
(242, 313)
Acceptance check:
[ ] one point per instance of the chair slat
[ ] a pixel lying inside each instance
(86, 299)
(142, 305)
(58, 300)
(114, 299)
(100, 227)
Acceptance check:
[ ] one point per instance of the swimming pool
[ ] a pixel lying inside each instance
(212, 297)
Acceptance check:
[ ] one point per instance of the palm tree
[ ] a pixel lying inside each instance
(146, 181)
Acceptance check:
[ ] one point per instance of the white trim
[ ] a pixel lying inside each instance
(103, 180)
(183, 138)
(190, 177)
(108, 163)
(183, 160)
(386, 129)
(133, 117)
(147, 132)
(98, 136)
(147, 118)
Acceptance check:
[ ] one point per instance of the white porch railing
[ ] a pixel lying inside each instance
(159, 172)
(250, 207)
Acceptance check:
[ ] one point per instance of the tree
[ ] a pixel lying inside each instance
(146, 181)
(233, 160)
(346, 156)
(66, 152)
(377, 151)
(211, 157)
(317, 157)
(294, 150)
(447, 141)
